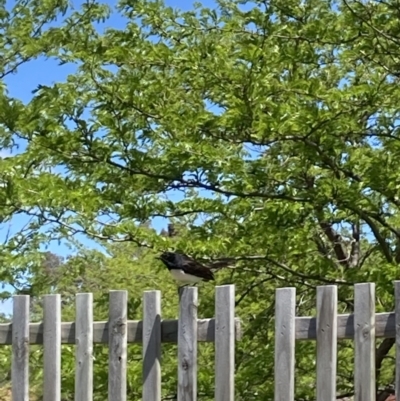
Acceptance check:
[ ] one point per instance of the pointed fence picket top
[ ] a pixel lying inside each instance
(116, 333)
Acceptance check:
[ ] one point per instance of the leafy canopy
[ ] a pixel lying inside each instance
(265, 131)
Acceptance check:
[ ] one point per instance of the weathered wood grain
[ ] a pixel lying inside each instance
(187, 344)
(152, 346)
(117, 345)
(397, 310)
(20, 349)
(225, 343)
(326, 342)
(84, 348)
(52, 347)
(384, 327)
(364, 338)
(285, 310)
(305, 330)
(169, 332)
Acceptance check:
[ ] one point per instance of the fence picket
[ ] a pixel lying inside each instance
(364, 338)
(187, 331)
(84, 347)
(397, 345)
(52, 347)
(20, 349)
(152, 346)
(187, 344)
(326, 342)
(224, 343)
(117, 343)
(364, 326)
(285, 311)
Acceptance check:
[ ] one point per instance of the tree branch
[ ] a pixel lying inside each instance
(355, 246)
(336, 239)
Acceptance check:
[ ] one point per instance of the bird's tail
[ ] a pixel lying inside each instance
(220, 263)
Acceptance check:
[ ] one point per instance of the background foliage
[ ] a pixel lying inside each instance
(265, 131)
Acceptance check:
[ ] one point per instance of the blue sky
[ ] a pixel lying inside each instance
(47, 72)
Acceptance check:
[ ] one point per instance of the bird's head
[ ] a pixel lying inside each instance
(167, 257)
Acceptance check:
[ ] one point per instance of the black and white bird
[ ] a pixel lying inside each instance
(185, 269)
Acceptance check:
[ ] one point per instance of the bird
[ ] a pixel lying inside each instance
(185, 269)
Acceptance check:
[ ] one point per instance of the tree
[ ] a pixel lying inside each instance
(267, 131)
(98, 272)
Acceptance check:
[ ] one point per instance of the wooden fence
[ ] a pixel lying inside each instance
(117, 332)
(364, 326)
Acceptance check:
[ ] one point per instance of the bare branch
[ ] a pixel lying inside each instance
(355, 246)
(336, 239)
(374, 228)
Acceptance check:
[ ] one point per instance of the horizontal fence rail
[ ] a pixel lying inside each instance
(385, 327)
(118, 332)
(169, 331)
(305, 329)
(363, 327)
